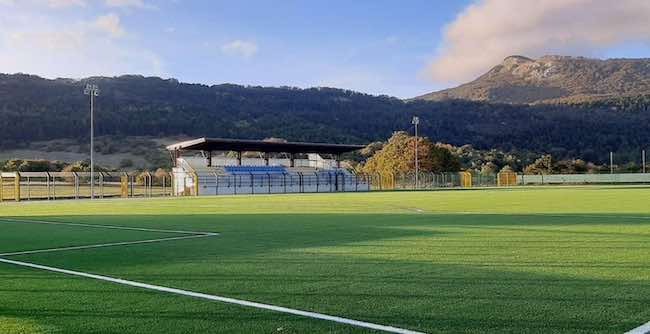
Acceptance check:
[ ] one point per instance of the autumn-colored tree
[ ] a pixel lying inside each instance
(372, 148)
(544, 165)
(398, 156)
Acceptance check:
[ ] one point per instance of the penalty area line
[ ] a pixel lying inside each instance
(228, 300)
(113, 227)
(192, 235)
(113, 244)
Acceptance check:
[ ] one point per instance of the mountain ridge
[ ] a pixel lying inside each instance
(553, 79)
(34, 110)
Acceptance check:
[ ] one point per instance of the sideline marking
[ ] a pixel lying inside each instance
(217, 298)
(643, 329)
(552, 215)
(281, 309)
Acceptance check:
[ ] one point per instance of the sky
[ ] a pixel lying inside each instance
(399, 48)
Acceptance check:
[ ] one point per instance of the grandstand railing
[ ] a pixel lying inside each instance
(277, 183)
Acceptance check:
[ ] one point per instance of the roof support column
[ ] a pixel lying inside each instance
(239, 158)
(292, 160)
(209, 158)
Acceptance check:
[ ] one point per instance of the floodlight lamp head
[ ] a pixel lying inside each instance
(91, 90)
(416, 120)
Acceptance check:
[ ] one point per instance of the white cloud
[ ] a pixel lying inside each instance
(110, 24)
(66, 3)
(128, 4)
(490, 30)
(53, 46)
(48, 3)
(240, 48)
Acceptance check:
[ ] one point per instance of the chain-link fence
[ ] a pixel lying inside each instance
(19, 186)
(424, 181)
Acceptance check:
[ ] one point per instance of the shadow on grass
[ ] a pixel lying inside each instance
(435, 273)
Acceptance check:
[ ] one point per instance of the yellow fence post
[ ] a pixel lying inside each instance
(506, 179)
(196, 183)
(466, 179)
(17, 187)
(124, 186)
(172, 183)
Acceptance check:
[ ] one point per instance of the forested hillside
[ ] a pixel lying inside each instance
(34, 109)
(554, 79)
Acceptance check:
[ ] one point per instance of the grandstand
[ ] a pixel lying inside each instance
(206, 166)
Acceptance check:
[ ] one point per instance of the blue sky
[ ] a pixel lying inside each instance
(398, 48)
(364, 45)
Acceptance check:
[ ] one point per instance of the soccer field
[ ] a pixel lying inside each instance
(544, 260)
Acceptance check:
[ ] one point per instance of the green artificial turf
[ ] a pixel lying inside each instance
(552, 260)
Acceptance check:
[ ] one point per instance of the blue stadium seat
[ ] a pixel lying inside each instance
(256, 170)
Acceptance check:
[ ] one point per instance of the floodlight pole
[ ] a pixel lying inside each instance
(643, 161)
(416, 122)
(92, 91)
(611, 162)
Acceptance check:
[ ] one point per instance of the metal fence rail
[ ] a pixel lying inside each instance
(18, 186)
(215, 184)
(629, 178)
(389, 181)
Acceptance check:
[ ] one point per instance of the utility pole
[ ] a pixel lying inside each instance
(92, 91)
(416, 122)
(611, 162)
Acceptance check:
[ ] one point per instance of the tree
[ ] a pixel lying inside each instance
(489, 168)
(372, 148)
(34, 109)
(544, 165)
(19, 165)
(442, 160)
(397, 156)
(126, 163)
(161, 176)
(506, 169)
(83, 166)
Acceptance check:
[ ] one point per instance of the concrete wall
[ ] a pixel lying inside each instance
(584, 178)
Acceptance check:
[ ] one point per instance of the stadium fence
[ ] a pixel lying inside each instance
(17, 186)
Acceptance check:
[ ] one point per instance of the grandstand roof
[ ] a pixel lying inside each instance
(243, 145)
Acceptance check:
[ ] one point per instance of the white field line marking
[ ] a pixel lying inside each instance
(308, 314)
(240, 302)
(125, 243)
(556, 215)
(11, 220)
(643, 329)
(192, 235)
